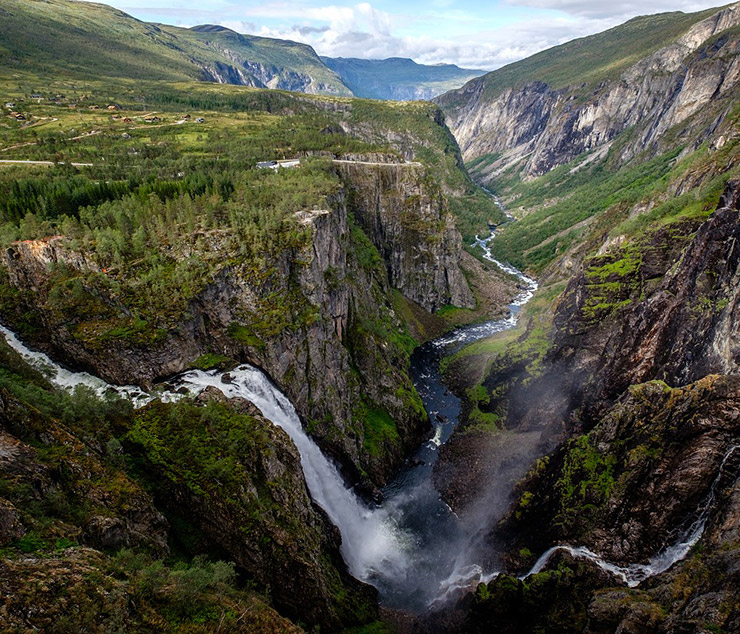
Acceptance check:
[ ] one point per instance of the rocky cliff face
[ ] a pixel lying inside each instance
(538, 128)
(405, 216)
(319, 318)
(243, 72)
(633, 408)
(257, 509)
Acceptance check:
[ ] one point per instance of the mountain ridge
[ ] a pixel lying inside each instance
(398, 78)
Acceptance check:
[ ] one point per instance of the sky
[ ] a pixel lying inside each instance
(469, 33)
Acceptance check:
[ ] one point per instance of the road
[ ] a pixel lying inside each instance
(45, 163)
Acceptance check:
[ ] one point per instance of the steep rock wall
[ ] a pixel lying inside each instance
(544, 128)
(405, 216)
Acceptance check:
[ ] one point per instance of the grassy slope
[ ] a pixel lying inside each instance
(293, 56)
(589, 60)
(362, 75)
(87, 40)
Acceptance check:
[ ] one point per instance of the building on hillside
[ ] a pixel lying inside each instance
(276, 165)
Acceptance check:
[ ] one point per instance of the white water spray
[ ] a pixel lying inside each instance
(633, 574)
(369, 537)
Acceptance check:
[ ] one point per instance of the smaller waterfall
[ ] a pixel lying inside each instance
(633, 574)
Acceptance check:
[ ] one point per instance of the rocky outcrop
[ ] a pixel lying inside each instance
(81, 589)
(405, 216)
(655, 443)
(542, 127)
(249, 501)
(117, 513)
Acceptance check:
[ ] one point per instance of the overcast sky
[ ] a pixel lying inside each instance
(470, 33)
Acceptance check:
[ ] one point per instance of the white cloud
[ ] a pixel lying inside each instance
(615, 10)
(363, 31)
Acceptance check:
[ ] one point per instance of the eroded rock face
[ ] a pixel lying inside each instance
(546, 128)
(656, 443)
(121, 514)
(684, 326)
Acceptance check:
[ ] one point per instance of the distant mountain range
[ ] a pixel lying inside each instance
(398, 78)
(82, 39)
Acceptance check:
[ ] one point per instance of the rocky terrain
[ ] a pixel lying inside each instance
(535, 126)
(632, 400)
(334, 285)
(604, 425)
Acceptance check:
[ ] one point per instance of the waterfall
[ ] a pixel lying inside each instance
(369, 538)
(633, 574)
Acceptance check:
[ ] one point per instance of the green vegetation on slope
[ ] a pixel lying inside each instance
(591, 59)
(573, 204)
(85, 40)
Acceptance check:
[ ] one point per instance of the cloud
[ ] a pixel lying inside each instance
(366, 32)
(616, 10)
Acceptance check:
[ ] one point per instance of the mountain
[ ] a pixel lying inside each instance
(245, 355)
(565, 142)
(612, 408)
(581, 95)
(82, 40)
(398, 78)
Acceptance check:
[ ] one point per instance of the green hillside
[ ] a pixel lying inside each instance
(591, 59)
(398, 78)
(82, 39)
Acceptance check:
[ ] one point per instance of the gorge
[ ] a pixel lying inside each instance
(448, 367)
